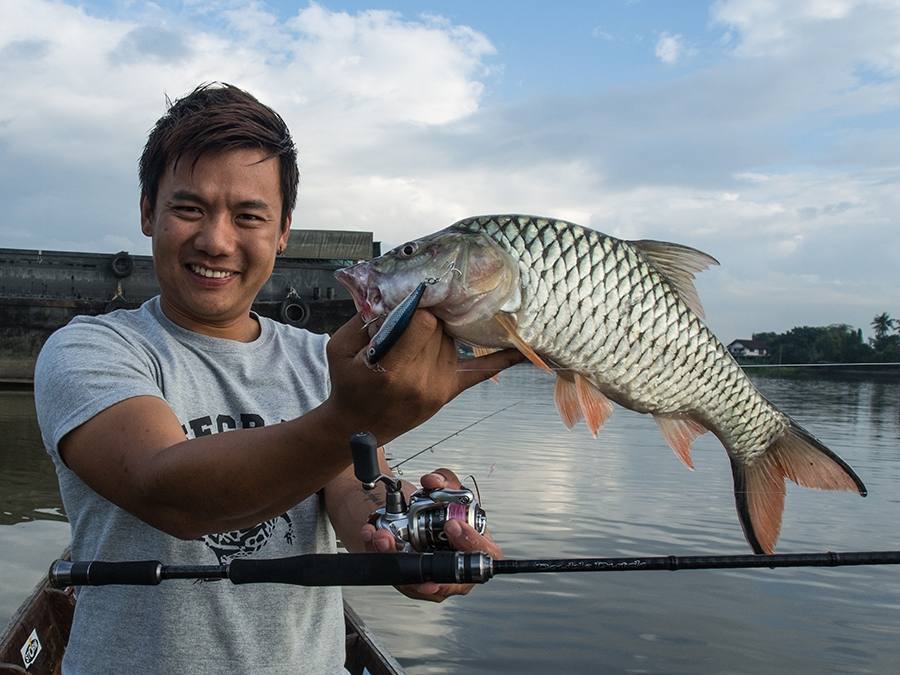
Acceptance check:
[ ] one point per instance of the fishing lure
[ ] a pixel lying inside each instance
(398, 320)
(394, 326)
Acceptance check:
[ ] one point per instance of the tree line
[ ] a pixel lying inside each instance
(837, 343)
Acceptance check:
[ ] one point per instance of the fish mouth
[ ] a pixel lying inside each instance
(366, 296)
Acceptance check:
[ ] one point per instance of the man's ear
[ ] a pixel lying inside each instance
(146, 216)
(285, 232)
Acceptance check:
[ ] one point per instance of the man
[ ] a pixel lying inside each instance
(134, 407)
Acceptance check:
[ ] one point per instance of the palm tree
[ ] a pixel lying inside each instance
(882, 325)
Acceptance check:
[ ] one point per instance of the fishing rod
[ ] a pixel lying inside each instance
(818, 365)
(418, 525)
(837, 364)
(397, 569)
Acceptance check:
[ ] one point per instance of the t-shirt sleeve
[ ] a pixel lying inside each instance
(83, 369)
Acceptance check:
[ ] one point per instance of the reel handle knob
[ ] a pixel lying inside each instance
(364, 447)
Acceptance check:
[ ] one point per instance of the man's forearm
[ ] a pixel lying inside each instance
(290, 461)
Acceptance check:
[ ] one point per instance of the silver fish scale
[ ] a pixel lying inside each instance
(594, 305)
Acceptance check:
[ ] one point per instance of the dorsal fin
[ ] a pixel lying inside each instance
(677, 264)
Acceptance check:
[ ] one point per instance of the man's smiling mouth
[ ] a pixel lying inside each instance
(208, 273)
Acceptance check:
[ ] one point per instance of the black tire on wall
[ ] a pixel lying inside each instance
(294, 312)
(122, 264)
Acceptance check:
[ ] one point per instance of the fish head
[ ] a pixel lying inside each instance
(468, 277)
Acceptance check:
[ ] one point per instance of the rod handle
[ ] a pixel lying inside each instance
(98, 573)
(364, 447)
(364, 569)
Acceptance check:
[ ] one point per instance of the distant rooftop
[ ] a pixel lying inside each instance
(749, 344)
(329, 245)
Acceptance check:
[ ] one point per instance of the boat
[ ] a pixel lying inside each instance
(41, 290)
(35, 639)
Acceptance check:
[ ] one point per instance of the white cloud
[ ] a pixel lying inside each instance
(81, 92)
(857, 31)
(670, 48)
(757, 159)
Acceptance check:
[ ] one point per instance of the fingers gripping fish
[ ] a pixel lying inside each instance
(616, 321)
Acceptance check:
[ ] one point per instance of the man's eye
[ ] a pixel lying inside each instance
(186, 209)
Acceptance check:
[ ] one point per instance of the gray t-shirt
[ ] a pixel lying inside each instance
(213, 385)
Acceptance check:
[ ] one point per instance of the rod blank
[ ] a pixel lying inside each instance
(386, 569)
(707, 562)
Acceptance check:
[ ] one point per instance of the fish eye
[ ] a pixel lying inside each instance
(408, 249)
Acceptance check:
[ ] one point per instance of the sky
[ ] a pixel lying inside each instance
(764, 133)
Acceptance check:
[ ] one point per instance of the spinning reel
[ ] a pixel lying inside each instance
(419, 524)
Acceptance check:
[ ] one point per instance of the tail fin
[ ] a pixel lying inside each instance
(759, 487)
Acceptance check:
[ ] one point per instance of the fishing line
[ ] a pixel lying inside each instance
(455, 433)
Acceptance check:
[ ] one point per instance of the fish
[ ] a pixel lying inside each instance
(616, 321)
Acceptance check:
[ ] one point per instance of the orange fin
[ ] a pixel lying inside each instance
(478, 350)
(595, 406)
(566, 398)
(807, 462)
(759, 496)
(510, 327)
(679, 433)
(759, 487)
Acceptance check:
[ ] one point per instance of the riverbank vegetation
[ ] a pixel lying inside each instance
(837, 343)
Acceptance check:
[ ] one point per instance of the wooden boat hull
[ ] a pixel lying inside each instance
(36, 637)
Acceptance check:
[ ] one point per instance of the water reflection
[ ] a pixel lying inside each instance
(27, 479)
(551, 492)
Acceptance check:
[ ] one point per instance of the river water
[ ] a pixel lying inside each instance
(550, 492)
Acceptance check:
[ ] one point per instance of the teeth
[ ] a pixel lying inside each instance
(211, 274)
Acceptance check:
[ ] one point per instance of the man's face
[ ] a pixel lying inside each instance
(216, 227)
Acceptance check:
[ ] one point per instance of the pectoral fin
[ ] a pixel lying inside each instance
(512, 333)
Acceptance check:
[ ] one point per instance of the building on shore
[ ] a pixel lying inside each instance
(748, 349)
(41, 291)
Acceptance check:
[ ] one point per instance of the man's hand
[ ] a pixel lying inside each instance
(414, 380)
(462, 537)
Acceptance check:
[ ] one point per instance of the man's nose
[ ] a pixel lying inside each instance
(216, 235)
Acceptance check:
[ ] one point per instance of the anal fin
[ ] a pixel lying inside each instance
(680, 433)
